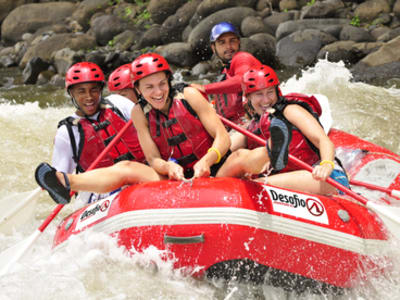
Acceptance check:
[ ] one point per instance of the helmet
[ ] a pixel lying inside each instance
(148, 64)
(259, 78)
(83, 72)
(120, 78)
(220, 29)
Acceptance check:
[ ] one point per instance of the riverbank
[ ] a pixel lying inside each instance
(44, 39)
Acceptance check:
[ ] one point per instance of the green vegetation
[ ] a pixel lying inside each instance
(355, 21)
(311, 2)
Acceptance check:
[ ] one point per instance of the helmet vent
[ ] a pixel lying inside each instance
(266, 75)
(75, 77)
(252, 79)
(252, 86)
(271, 80)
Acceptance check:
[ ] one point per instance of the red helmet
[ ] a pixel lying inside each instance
(148, 64)
(83, 72)
(259, 78)
(120, 78)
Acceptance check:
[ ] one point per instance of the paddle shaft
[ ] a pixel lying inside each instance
(296, 161)
(92, 166)
(391, 192)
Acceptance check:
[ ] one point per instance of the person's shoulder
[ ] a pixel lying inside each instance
(120, 101)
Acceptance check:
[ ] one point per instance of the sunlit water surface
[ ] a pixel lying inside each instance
(91, 266)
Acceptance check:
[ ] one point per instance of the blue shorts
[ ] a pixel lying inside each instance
(340, 177)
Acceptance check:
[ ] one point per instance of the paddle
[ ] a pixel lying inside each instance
(391, 192)
(14, 253)
(389, 215)
(14, 210)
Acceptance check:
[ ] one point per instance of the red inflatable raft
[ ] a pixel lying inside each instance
(227, 227)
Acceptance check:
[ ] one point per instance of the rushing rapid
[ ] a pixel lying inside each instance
(91, 266)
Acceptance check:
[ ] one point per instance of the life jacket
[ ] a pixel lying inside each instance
(95, 135)
(229, 106)
(180, 135)
(300, 147)
(255, 127)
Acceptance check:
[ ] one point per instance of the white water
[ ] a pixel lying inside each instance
(92, 267)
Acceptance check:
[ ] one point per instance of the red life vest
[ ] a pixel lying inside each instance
(255, 127)
(300, 147)
(180, 135)
(231, 105)
(95, 135)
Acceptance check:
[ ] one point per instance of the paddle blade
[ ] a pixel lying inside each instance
(16, 211)
(390, 215)
(11, 255)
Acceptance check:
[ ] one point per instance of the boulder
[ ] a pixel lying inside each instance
(288, 27)
(174, 25)
(207, 7)
(252, 25)
(275, 19)
(86, 9)
(356, 34)
(369, 10)
(152, 37)
(48, 47)
(339, 51)
(31, 17)
(64, 58)
(396, 8)
(321, 9)
(160, 10)
(106, 27)
(382, 64)
(33, 69)
(300, 48)
(178, 54)
(6, 6)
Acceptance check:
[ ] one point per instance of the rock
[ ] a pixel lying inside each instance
(201, 68)
(285, 5)
(389, 35)
(173, 26)
(369, 10)
(57, 80)
(199, 36)
(64, 58)
(126, 39)
(275, 19)
(288, 27)
(105, 27)
(379, 31)
(339, 51)
(86, 9)
(208, 7)
(45, 49)
(363, 49)
(356, 34)
(252, 25)
(178, 54)
(388, 53)
(161, 9)
(32, 70)
(268, 45)
(6, 6)
(256, 46)
(301, 47)
(31, 17)
(152, 37)
(324, 9)
(396, 9)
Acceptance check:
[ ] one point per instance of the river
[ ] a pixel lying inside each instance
(91, 266)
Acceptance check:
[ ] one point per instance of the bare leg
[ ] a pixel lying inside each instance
(243, 162)
(301, 181)
(105, 180)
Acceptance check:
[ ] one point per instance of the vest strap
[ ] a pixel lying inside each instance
(126, 156)
(176, 140)
(187, 159)
(101, 125)
(169, 122)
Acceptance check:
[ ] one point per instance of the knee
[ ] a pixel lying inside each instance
(126, 166)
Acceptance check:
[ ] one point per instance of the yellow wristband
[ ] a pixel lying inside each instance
(323, 162)
(216, 151)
